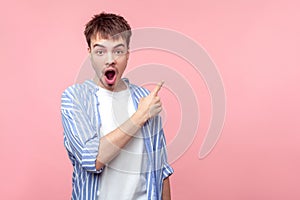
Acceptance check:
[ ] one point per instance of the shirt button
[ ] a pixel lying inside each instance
(98, 192)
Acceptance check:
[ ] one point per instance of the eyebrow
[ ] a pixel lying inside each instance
(102, 46)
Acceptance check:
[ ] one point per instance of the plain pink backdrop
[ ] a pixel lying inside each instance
(255, 45)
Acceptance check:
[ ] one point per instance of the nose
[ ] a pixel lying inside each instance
(110, 59)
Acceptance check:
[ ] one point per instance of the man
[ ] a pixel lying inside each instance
(112, 130)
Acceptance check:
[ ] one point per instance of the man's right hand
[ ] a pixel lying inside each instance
(150, 105)
(111, 144)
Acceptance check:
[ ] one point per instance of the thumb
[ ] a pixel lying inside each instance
(155, 91)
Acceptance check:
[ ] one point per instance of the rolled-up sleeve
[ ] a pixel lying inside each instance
(161, 151)
(167, 170)
(80, 138)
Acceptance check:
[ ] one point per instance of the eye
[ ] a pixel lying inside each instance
(119, 51)
(99, 52)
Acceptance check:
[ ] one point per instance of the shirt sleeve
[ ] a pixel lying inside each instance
(167, 170)
(80, 138)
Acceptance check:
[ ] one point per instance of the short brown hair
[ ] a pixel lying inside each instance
(107, 25)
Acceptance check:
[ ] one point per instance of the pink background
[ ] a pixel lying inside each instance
(255, 45)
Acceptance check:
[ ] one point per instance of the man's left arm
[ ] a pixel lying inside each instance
(167, 170)
(166, 193)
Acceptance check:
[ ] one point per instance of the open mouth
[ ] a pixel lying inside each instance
(110, 76)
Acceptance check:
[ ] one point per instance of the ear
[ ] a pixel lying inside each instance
(89, 49)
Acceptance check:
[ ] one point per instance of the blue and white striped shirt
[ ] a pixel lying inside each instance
(81, 122)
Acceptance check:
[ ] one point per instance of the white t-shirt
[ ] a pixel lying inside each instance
(122, 178)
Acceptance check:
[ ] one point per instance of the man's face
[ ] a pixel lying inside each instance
(109, 59)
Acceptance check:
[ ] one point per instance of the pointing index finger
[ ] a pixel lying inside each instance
(158, 87)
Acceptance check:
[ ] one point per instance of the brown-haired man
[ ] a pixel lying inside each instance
(112, 130)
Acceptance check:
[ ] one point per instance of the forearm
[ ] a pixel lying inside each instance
(111, 144)
(166, 193)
